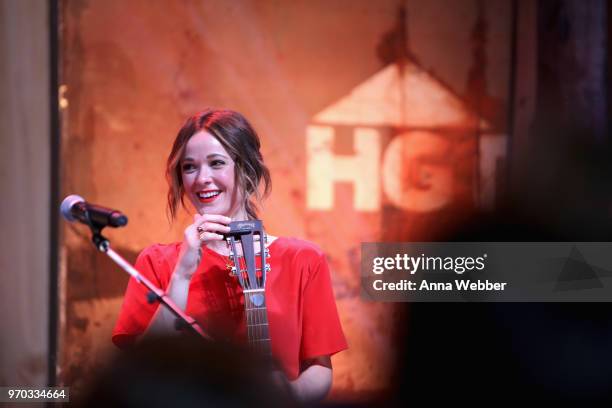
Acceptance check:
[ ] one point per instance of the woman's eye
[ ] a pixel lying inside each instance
(188, 167)
(217, 163)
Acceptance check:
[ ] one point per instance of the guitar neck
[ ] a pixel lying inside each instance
(258, 332)
(252, 278)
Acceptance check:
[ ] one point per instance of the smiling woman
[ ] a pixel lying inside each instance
(216, 162)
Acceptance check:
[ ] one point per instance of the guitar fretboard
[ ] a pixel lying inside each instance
(257, 321)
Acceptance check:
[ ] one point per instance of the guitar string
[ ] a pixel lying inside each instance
(259, 331)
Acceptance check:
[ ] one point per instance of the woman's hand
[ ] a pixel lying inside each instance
(205, 228)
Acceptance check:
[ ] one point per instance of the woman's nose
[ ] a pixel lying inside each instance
(205, 175)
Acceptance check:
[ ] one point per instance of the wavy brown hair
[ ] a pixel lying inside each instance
(242, 143)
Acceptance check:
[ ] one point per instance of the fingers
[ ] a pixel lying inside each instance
(210, 236)
(210, 227)
(221, 219)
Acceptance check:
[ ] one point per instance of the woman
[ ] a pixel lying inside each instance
(215, 161)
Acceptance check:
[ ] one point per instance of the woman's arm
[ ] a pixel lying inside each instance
(315, 381)
(163, 322)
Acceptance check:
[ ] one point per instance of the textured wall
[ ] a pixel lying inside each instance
(132, 71)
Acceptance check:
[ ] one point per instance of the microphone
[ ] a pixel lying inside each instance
(75, 208)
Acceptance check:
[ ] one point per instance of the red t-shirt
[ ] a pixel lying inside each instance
(302, 315)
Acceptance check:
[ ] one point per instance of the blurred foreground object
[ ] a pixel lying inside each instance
(186, 372)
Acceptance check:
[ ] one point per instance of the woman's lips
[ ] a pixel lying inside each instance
(210, 199)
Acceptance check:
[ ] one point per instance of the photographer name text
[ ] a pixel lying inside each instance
(424, 285)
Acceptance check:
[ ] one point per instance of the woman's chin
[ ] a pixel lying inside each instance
(210, 209)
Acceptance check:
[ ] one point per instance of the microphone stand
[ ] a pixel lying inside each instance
(155, 294)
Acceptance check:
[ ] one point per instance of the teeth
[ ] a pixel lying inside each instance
(208, 194)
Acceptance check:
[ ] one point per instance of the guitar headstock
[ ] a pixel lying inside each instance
(251, 238)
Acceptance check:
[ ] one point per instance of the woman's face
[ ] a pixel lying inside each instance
(209, 177)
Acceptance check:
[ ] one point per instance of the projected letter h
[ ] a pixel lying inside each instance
(324, 168)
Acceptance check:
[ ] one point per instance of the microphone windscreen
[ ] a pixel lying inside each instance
(68, 203)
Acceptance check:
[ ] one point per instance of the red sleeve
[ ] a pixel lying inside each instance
(322, 333)
(136, 312)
